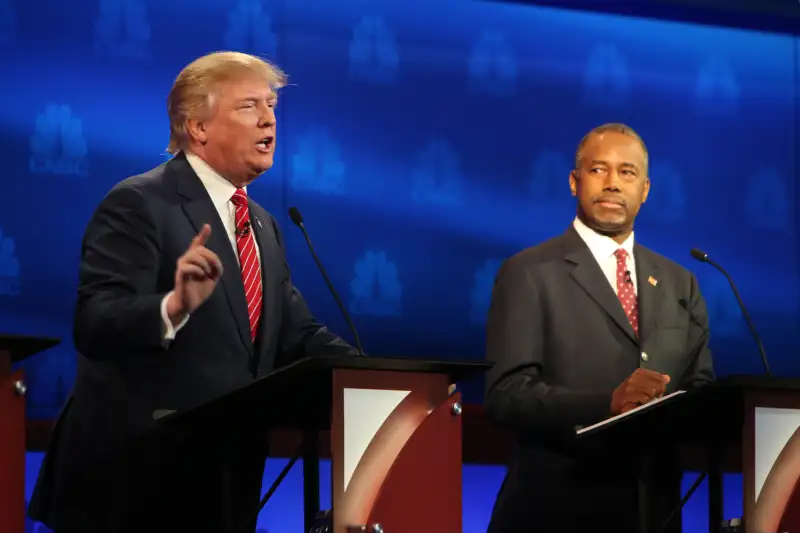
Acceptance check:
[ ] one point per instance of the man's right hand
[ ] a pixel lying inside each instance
(641, 387)
(196, 275)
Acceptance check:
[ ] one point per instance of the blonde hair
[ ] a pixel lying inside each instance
(193, 91)
(615, 127)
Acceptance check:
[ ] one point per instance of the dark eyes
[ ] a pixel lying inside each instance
(252, 104)
(627, 172)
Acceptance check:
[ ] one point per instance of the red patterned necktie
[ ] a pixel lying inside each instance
(625, 292)
(248, 260)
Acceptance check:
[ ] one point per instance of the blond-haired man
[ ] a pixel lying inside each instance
(184, 294)
(584, 326)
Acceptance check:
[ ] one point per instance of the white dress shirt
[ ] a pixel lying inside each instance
(603, 249)
(221, 191)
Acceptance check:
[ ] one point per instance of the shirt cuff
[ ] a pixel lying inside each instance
(169, 331)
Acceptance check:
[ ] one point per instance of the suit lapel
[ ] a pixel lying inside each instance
(588, 274)
(650, 291)
(200, 210)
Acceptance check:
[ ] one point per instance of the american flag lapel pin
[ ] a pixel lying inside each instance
(653, 281)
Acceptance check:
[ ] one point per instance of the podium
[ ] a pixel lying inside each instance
(748, 418)
(13, 349)
(395, 435)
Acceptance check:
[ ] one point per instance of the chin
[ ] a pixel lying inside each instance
(606, 218)
(262, 165)
(611, 222)
(608, 225)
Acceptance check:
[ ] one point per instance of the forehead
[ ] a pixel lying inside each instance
(247, 86)
(614, 147)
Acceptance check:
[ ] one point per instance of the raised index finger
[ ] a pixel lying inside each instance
(201, 238)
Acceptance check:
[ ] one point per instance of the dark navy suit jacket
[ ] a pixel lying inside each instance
(102, 471)
(561, 344)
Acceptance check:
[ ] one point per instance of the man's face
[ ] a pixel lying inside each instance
(238, 136)
(611, 183)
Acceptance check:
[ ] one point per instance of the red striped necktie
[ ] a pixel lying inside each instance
(248, 260)
(625, 292)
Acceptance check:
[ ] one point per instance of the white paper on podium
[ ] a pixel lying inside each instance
(613, 418)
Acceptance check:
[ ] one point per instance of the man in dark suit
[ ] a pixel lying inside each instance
(184, 295)
(582, 327)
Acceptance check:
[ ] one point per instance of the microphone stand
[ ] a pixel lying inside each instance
(245, 524)
(704, 258)
(297, 219)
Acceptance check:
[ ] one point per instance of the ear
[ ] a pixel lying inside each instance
(197, 130)
(646, 189)
(573, 185)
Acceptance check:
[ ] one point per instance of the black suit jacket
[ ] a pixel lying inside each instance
(561, 344)
(103, 471)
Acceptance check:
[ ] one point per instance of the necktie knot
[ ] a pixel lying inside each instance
(239, 198)
(622, 255)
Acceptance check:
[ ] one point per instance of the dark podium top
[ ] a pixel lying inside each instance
(713, 414)
(299, 395)
(23, 346)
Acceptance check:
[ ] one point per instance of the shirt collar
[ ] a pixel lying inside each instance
(219, 189)
(601, 246)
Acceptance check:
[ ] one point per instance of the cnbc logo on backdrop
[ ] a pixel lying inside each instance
(58, 144)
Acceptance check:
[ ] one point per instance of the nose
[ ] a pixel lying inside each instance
(611, 182)
(267, 116)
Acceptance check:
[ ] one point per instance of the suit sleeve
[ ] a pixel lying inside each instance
(302, 335)
(700, 370)
(118, 309)
(518, 397)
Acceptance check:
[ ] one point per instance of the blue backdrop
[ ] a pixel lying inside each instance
(424, 142)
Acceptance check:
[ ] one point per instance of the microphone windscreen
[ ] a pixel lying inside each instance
(700, 255)
(295, 215)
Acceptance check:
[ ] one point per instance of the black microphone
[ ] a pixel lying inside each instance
(701, 256)
(628, 277)
(297, 218)
(243, 231)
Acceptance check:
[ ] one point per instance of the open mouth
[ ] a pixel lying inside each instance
(265, 144)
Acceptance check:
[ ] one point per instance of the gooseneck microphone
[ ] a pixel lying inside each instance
(297, 218)
(246, 524)
(701, 256)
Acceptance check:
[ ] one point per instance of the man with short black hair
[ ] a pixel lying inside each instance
(582, 327)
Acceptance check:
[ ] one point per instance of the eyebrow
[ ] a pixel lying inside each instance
(254, 98)
(624, 164)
